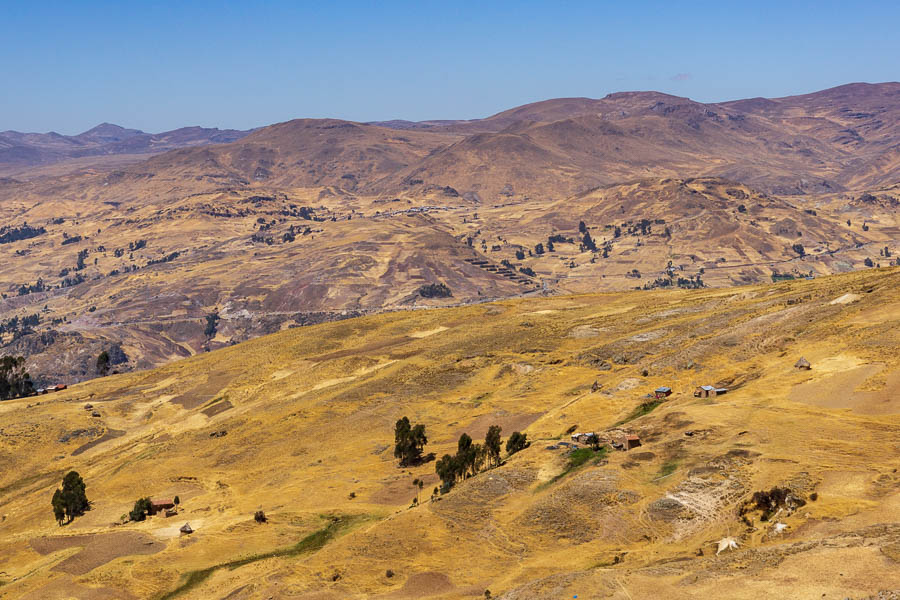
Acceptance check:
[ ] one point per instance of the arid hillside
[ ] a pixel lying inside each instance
(320, 219)
(788, 477)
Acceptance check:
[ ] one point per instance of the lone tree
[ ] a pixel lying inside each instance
(516, 442)
(103, 363)
(70, 501)
(492, 445)
(409, 441)
(582, 228)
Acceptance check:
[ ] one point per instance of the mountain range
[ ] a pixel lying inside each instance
(313, 220)
(20, 151)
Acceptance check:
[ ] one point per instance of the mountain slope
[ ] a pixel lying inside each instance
(300, 425)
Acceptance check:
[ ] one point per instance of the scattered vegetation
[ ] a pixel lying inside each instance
(307, 545)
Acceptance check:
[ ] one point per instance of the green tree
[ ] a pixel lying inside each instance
(140, 510)
(71, 500)
(103, 363)
(409, 441)
(492, 444)
(516, 442)
(588, 242)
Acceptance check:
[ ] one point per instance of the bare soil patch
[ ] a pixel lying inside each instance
(110, 434)
(422, 585)
(96, 549)
(509, 423)
(217, 408)
(837, 391)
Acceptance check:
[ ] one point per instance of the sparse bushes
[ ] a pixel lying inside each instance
(799, 249)
(70, 501)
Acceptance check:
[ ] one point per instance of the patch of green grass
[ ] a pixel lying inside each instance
(667, 468)
(577, 459)
(641, 410)
(309, 544)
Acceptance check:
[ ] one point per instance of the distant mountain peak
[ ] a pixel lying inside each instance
(110, 132)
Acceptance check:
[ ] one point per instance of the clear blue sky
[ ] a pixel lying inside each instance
(66, 66)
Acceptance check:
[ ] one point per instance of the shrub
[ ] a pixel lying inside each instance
(140, 510)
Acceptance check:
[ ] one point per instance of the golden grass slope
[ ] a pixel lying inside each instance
(307, 416)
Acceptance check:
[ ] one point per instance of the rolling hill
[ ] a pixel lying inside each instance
(798, 468)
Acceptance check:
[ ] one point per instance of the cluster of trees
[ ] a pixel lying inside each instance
(114, 356)
(409, 442)
(471, 458)
(10, 234)
(164, 259)
(70, 240)
(435, 290)
(79, 260)
(15, 382)
(70, 501)
(212, 322)
(24, 289)
(19, 327)
(690, 283)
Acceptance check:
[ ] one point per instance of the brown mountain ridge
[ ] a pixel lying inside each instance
(321, 219)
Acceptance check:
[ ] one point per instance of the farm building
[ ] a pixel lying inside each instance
(186, 529)
(662, 392)
(583, 438)
(58, 387)
(803, 364)
(630, 441)
(160, 505)
(708, 391)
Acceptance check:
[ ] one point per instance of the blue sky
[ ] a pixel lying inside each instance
(66, 66)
